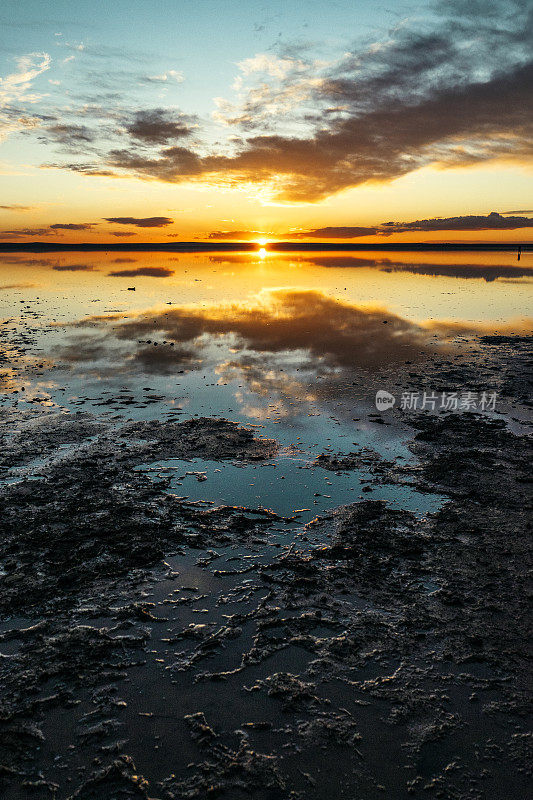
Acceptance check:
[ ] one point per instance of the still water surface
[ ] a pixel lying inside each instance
(296, 344)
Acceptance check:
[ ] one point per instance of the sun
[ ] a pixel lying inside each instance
(262, 242)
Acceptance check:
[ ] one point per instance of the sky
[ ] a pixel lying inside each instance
(355, 120)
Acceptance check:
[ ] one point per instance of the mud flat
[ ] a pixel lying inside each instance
(156, 647)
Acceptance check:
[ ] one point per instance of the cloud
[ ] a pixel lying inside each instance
(73, 226)
(456, 94)
(152, 272)
(448, 88)
(143, 222)
(283, 84)
(345, 261)
(459, 125)
(169, 76)
(16, 85)
(84, 348)
(159, 126)
(333, 232)
(270, 64)
(72, 135)
(123, 233)
(15, 89)
(83, 169)
(22, 233)
(492, 221)
(15, 207)
(74, 267)
(173, 164)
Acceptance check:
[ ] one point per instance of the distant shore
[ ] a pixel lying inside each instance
(275, 247)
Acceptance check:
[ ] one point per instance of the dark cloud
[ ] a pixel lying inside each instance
(73, 267)
(333, 232)
(492, 221)
(152, 272)
(16, 208)
(487, 272)
(143, 222)
(73, 226)
(22, 233)
(520, 211)
(123, 233)
(71, 134)
(172, 164)
(159, 126)
(84, 169)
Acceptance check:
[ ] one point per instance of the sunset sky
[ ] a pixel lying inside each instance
(355, 120)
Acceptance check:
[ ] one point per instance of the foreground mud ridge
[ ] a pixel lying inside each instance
(155, 647)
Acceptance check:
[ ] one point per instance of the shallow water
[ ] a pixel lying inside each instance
(296, 344)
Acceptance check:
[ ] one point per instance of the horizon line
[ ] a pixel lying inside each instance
(191, 247)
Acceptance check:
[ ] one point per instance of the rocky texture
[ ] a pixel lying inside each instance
(153, 647)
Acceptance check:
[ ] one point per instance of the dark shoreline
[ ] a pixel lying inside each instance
(274, 247)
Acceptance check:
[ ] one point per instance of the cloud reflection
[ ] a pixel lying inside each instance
(487, 272)
(323, 329)
(74, 268)
(150, 272)
(281, 350)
